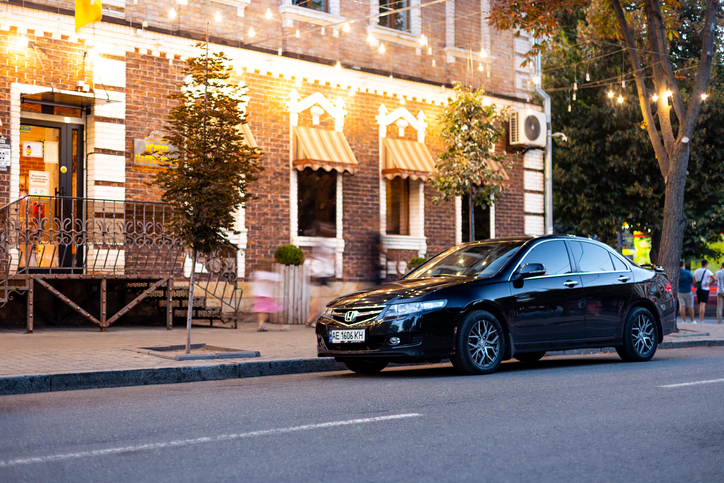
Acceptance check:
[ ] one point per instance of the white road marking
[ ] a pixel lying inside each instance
(211, 439)
(693, 383)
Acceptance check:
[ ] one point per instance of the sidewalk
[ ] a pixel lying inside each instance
(57, 359)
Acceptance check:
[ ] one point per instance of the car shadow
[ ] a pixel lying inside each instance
(510, 367)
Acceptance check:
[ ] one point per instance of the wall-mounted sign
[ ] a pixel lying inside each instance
(32, 149)
(38, 183)
(152, 152)
(4, 154)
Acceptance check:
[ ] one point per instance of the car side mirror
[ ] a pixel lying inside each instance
(531, 270)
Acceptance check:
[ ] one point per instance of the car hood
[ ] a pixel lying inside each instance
(402, 290)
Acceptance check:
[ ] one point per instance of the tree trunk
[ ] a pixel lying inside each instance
(191, 304)
(672, 233)
(655, 245)
(471, 212)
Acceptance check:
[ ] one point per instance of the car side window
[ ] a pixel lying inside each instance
(591, 258)
(618, 265)
(553, 255)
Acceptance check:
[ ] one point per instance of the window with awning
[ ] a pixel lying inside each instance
(322, 149)
(407, 159)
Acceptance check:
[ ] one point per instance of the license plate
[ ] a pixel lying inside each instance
(342, 336)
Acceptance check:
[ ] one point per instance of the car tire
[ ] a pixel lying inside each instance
(365, 366)
(479, 344)
(529, 357)
(640, 336)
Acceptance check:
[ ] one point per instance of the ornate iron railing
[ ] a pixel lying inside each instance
(66, 237)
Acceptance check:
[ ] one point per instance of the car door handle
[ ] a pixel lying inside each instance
(570, 283)
(623, 278)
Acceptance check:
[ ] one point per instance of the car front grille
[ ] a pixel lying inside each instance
(352, 316)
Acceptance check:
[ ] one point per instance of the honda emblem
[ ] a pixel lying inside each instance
(351, 316)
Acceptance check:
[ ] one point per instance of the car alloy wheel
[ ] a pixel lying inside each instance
(640, 336)
(479, 344)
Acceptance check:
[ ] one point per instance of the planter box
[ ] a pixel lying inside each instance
(293, 294)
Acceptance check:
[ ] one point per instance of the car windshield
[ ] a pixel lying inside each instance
(484, 260)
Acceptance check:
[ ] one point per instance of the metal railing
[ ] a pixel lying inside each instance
(93, 238)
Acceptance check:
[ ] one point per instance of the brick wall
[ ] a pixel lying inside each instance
(152, 62)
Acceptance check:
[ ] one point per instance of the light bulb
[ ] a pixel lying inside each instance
(588, 77)
(575, 85)
(217, 16)
(251, 32)
(338, 66)
(382, 48)
(370, 38)
(297, 34)
(623, 84)
(482, 53)
(429, 51)
(535, 79)
(268, 13)
(423, 39)
(620, 99)
(574, 95)
(610, 94)
(704, 95)
(655, 97)
(669, 93)
(480, 67)
(346, 27)
(569, 108)
(172, 13)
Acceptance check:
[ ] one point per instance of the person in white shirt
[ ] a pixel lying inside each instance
(704, 276)
(719, 293)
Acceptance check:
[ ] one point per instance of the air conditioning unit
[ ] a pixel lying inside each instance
(528, 128)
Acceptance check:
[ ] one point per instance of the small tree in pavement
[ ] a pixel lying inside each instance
(470, 130)
(209, 175)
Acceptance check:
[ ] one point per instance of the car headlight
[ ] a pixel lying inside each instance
(397, 310)
(327, 313)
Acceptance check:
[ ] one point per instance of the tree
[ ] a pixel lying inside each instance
(469, 166)
(606, 143)
(208, 176)
(647, 25)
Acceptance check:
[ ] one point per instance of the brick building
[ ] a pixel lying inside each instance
(343, 103)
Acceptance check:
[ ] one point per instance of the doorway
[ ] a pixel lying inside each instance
(51, 189)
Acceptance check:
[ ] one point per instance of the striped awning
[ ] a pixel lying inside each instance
(248, 136)
(322, 149)
(408, 159)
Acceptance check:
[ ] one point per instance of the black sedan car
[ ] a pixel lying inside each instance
(484, 302)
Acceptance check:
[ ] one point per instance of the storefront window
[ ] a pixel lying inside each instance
(398, 206)
(317, 199)
(397, 21)
(318, 5)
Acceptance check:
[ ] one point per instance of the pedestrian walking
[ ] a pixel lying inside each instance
(322, 268)
(702, 280)
(264, 291)
(686, 296)
(719, 293)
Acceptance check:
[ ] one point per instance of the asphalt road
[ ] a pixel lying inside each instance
(568, 418)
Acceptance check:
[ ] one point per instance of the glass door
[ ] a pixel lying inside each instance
(51, 181)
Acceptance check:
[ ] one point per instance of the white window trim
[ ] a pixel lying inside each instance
(408, 39)
(452, 52)
(239, 4)
(290, 13)
(338, 112)
(414, 241)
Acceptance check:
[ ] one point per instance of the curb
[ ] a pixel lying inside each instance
(167, 375)
(217, 372)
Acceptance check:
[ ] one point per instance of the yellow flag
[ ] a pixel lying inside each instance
(87, 11)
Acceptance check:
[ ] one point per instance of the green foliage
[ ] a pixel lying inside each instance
(607, 174)
(470, 129)
(214, 166)
(416, 262)
(289, 255)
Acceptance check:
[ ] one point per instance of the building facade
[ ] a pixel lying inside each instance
(343, 102)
